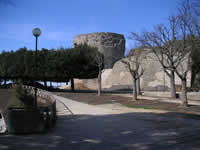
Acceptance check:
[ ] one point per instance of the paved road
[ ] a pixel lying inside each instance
(98, 128)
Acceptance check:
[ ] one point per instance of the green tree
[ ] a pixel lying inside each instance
(79, 63)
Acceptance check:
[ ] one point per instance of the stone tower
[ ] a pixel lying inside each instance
(111, 45)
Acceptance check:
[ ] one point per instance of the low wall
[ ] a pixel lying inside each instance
(25, 121)
(22, 120)
(50, 110)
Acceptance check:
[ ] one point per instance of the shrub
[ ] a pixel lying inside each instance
(22, 97)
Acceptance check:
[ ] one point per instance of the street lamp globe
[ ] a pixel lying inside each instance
(36, 32)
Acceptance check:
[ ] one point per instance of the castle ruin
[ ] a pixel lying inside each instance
(115, 74)
(111, 45)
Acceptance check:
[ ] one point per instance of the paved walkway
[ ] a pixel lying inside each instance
(85, 127)
(82, 109)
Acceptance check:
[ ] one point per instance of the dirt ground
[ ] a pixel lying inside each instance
(93, 99)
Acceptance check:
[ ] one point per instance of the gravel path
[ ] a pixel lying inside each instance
(85, 127)
(81, 108)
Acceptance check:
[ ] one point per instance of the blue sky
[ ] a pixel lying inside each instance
(61, 20)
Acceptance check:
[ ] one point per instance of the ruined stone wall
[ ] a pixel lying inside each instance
(116, 75)
(153, 78)
(111, 45)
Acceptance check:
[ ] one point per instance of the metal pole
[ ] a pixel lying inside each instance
(35, 73)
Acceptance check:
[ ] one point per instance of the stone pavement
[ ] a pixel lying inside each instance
(82, 109)
(85, 127)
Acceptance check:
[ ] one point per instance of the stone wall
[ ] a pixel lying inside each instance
(112, 45)
(153, 79)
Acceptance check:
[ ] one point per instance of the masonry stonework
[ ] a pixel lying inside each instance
(111, 45)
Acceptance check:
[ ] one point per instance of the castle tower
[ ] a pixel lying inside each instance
(111, 45)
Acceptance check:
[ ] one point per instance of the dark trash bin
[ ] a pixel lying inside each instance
(22, 120)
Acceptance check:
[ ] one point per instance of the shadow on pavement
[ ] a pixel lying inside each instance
(127, 131)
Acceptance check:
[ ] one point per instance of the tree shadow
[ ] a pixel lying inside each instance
(126, 131)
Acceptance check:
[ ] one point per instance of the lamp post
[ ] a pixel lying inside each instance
(36, 33)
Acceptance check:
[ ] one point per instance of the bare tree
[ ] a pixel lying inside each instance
(134, 66)
(172, 45)
(161, 42)
(138, 51)
(99, 60)
(189, 14)
(171, 50)
(189, 28)
(194, 11)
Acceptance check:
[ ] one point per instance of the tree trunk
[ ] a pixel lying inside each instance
(184, 93)
(1, 80)
(72, 84)
(138, 87)
(134, 90)
(172, 85)
(5, 82)
(45, 84)
(193, 76)
(99, 84)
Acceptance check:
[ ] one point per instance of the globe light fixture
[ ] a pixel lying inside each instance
(36, 33)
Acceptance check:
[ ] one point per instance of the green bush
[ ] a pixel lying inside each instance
(22, 97)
